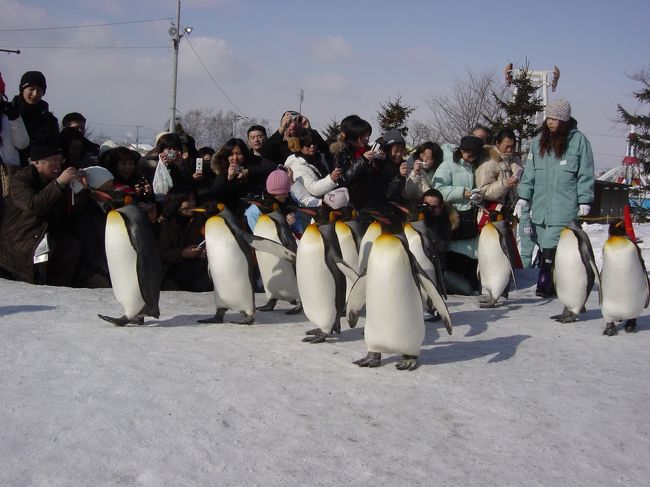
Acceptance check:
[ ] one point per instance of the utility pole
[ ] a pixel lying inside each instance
(176, 36)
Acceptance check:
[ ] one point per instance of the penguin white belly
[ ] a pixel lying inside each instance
(493, 263)
(394, 314)
(278, 275)
(349, 251)
(624, 285)
(415, 246)
(373, 231)
(122, 265)
(571, 278)
(228, 268)
(315, 281)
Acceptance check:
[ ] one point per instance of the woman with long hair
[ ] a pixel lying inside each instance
(232, 175)
(557, 185)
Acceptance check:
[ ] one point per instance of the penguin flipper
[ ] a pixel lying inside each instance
(347, 271)
(262, 244)
(356, 300)
(438, 302)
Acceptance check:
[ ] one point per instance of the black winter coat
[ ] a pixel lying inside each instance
(33, 208)
(42, 127)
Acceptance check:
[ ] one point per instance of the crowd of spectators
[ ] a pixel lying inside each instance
(58, 186)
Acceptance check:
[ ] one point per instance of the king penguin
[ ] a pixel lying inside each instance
(321, 283)
(623, 281)
(134, 265)
(278, 275)
(494, 262)
(230, 264)
(391, 292)
(575, 271)
(422, 247)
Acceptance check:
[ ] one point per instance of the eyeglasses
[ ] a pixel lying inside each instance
(50, 162)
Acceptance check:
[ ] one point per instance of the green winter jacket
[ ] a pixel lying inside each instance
(556, 186)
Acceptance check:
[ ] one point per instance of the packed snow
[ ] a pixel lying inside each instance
(511, 398)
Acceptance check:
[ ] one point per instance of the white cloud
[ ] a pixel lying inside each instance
(326, 83)
(421, 55)
(331, 49)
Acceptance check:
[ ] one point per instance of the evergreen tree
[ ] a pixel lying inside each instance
(641, 122)
(394, 115)
(517, 112)
(332, 131)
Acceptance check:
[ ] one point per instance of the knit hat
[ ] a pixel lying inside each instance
(33, 78)
(337, 198)
(95, 177)
(278, 182)
(392, 137)
(38, 152)
(106, 146)
(469, 142)
(559, 109)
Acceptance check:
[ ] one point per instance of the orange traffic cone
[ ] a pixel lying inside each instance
(627, 221)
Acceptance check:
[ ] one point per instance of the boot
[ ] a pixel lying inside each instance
(545, 287)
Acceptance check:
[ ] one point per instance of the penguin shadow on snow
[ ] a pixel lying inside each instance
(276, 317)
(478, 319)
(24, 308)
(502, 348)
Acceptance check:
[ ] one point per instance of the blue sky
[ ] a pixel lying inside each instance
(347, 56)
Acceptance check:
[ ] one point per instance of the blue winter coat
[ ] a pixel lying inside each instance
(556, 186)
(452, 179)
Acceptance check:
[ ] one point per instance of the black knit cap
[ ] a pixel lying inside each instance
(472, 143)
(38, 152)
(33, 78)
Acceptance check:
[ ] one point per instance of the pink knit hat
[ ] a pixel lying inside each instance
(278, 182)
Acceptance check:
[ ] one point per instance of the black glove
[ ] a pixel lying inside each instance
(12, 111)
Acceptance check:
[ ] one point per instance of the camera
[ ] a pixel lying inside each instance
(172, 155)
(199, 166)
(294, 115)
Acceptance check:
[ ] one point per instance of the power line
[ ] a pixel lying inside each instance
(88, 47)
(87, 25)
(214, 80)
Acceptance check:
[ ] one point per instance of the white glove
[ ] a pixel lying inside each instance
(520, 207)
(583, 210)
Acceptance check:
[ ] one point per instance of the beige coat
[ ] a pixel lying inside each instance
(491, 176)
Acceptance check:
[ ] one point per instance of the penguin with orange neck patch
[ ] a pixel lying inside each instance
(624, 289)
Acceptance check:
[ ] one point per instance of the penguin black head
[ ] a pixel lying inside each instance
(391, 221)
(617, 228)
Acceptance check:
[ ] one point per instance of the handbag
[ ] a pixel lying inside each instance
(467, 225)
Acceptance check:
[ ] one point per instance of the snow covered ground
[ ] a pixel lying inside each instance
(512, 398)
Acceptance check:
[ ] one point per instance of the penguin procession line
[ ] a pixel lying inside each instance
(347, 261)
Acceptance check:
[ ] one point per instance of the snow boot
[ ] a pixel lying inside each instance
(545, 287)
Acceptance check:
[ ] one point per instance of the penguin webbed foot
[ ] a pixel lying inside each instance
(610, 329)
(566, 316)
(269, 306)
(372, 359)
(246, 319)
(488, 302)
(408, 362)
(123, 320)
(295, 310)
(217, 318)
(319, 336)
(630, 326)
(570, 317)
